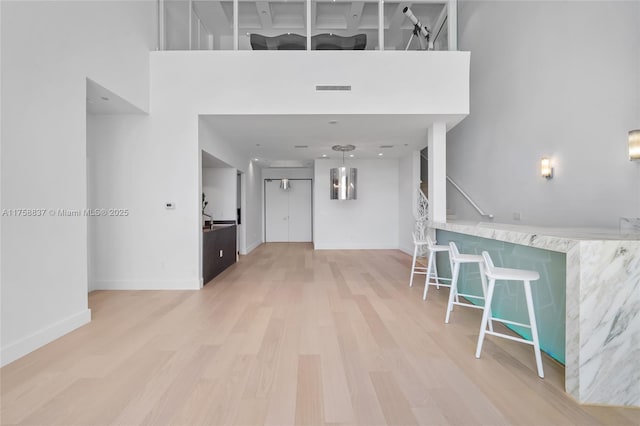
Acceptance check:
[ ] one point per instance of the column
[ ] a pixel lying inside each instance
(437, 155)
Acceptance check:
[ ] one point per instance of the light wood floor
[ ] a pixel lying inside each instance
(289, 336)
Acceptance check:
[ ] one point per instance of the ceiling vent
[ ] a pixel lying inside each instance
(386, 146)
(301, 146)
(332, 88)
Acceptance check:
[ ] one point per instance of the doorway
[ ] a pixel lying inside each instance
(288, 212)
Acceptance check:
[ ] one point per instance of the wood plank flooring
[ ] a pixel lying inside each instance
(287, 336)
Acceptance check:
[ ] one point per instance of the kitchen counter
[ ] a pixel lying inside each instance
(217, 227)
(602, 287)
(218, 249)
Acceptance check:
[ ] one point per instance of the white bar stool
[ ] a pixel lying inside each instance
(417, 270)
(507, 274)
(432, 269)
(458, 259)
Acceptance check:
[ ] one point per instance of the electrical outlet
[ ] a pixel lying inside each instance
(516, 216)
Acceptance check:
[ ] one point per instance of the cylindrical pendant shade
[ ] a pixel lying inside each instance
(343, 183)
(285, 185)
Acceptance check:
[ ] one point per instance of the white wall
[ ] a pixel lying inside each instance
(371, 221)
(408, 184)
(557, 79)
(219, 186)
(48, 50)
(287, 172)
(185, 85)
(119, 148)
(253, 211)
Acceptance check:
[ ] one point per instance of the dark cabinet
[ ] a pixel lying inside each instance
(218, 250)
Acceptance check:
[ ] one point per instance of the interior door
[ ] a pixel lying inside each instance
(276, 202)
(300, 211)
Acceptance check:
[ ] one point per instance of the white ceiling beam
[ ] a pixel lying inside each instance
(314, 14)
(441, 18)
(395, 23)
(355, 16)
(212, 16)
(264, 13)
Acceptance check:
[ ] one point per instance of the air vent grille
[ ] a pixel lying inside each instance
(332, 88)
(301, 146)
(386, 146)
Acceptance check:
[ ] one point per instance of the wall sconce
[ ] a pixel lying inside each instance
(545, 168)
(634, 145)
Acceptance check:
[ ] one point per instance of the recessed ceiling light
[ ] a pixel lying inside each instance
(256, 159)
(104, 98)
(380, 154)
(333, 122)
(324, 155)
(351, 155)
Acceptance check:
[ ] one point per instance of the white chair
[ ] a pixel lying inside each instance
(494, 274)
(432, 269)
(418, 249)
(458, 259)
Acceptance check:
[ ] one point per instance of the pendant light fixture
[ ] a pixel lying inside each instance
(285, 185)
(343, 179)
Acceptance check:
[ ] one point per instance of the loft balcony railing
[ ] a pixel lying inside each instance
(304, 25)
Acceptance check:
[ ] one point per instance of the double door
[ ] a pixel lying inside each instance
(288, 213)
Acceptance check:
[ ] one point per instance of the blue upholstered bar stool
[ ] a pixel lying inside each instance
(432, 269)
(458, 259)
(494, 274)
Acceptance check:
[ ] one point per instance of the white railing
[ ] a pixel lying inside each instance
(466, 196)
(421, 215)
(230, 26)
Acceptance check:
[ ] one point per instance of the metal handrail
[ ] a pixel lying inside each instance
(466, 196)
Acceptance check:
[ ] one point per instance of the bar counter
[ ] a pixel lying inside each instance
(602, 294)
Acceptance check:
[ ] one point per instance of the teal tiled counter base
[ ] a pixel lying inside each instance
(549, 292)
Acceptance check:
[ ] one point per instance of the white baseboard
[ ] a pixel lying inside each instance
(351, 246)
(148, 284)
(406, 249)
(40, 338)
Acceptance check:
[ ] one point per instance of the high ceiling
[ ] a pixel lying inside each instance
(296, 140)
(272, 18)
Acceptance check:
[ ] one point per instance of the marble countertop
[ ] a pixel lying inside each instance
(549, 238)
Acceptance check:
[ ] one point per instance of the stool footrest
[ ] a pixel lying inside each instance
(519, 324)
(468, 305)
(440, 278)
(441, 285)
(470, 296)
(506, 336)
